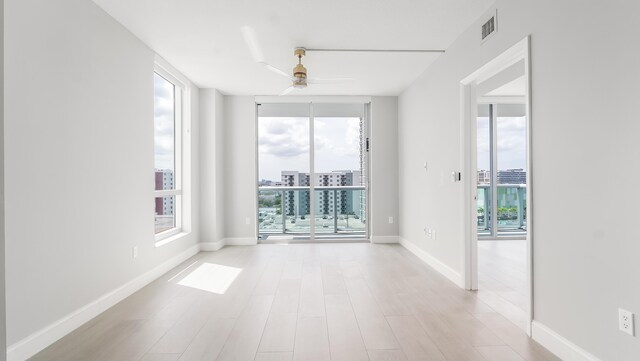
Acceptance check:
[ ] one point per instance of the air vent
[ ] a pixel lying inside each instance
(489, 27)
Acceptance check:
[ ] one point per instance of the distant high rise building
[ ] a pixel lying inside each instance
(484, 177)
(164, 181)
(507, 176)
(512, 176)
(293, 198)
(296, 203)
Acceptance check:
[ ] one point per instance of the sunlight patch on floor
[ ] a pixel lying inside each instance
(211, 277)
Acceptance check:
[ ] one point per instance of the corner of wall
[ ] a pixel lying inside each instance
(433, 262)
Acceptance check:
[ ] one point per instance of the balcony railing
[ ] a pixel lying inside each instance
(511, 210)
(338, 210)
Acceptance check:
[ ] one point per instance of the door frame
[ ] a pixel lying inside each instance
(311, 100)
(469, 109)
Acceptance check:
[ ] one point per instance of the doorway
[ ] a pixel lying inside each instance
(497, 208)
(312, 171)
(501, 206)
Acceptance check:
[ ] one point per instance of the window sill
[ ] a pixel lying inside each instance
(161, 241)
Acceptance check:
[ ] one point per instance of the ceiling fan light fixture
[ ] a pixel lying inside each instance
(300, 83)
(299, 71)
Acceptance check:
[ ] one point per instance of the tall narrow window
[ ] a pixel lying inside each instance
(167, 131)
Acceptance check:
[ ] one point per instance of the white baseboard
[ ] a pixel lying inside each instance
(436, 264)
(385, 239)
(41, 339)
(240, 241)
(212, 246)
(558, 345)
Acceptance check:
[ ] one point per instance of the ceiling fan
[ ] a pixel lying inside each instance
(298, 78)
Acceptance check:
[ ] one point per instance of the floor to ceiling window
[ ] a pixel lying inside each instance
(312, 166)
(168, 97)
(502, 173)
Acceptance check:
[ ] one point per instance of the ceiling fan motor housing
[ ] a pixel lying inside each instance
(299, 71)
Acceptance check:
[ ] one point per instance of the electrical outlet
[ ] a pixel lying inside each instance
(433, 235)
(430, 233)
(134, 252)
(425, 231)
(390, 220)
(247, 221)
(625, 321)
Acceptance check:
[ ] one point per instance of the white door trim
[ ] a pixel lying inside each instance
(468, 111)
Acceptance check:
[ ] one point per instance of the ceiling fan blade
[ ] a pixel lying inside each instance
(329, 80)
(251, 39)
(287, 91)
(276, 70)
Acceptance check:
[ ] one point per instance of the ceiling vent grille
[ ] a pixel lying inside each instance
(489, 27)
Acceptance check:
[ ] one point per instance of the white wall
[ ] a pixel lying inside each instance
(3, 318)
(212, 167)
(585, 71)
(384, 169)
(79, 160)
(240, 168)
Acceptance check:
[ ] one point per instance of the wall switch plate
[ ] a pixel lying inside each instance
(625, 321)
(247, 221)
(433, 235)
(425, 166)
(134, 252)
(390, 220)
(430, 233)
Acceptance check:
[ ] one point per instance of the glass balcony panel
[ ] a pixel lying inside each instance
(352, 216)
(270, 208)
(297, 211)
(340, 212)
(511, 209)
(484, 210)
(325, 211)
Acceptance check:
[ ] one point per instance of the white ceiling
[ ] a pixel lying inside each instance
(202, 39)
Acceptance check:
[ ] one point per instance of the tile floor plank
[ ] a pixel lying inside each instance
(312, 340)
(345, 340)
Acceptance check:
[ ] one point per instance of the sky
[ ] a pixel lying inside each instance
(164, 123)
(283, 144)
(512, 149)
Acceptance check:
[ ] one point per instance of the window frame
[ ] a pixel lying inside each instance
(180, 104)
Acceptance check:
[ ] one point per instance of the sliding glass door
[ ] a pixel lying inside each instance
(502, 173)
(312, 166)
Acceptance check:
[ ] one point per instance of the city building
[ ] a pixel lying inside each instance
(164, 180)
(512, 176)
(484, 177)
(507, 176)
(327, 202)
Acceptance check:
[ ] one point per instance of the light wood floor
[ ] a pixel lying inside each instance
(502, 282)
(301, 302)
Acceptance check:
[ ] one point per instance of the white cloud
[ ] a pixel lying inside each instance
(511, 137)
(164, 123)
(283, 145)
(283, 137)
